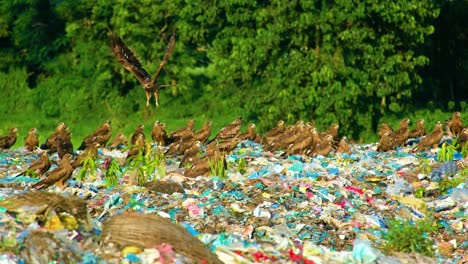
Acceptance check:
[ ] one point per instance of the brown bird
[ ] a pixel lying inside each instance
(180, 146)
(51, 143)
(192, 154)
(431, 140)
(159, 134)
(138, 131)
(6, 142)
(203, 166)
(343, 146)
(232, 130)
(274, 132)
(126, 58)
(285, 138)
(250, 134)
(139, 145)
(225, 146)
(91, 152)
(58, 175)
(419, 131)
(463, 137)
(401, 134)
(31, 142)
(333, 130)
(101, 135)
(203, 133)
(39, 167)
(182, 132)
(302, 144)
(456, 124)
(384, 127)
(447, 128)
(385, 142)
(324, 148)
(119, 141)
(64, 145)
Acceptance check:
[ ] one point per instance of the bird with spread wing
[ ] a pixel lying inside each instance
(128, 60)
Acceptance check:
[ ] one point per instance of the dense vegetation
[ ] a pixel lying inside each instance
(355, 63)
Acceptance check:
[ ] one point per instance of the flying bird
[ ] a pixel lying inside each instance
(9, 140)
(58, 175)
(31, 142)
(431, 140)
(39, 167)
(128, 60)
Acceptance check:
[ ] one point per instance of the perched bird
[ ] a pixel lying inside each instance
(39, 167)
(119, 141)
(61, 131)
(203, 133)
(232, 130)
(159, 134)
(128, 60)
(250, 134)
(385, 142)
(343, 146)
(101, 135)
(431, 140)
(333, 130)
(139, 145)
(419, 131)
(447, 128)
(180, 146)
(6, 142)
(138, 131)
(456, 124)
(274, 132)
(324, 148)
(225, 146)
(182, 132)
(384, 127)
(31, 142)
(203, 166)
(64, 145)
(91, 152)
(58, 175)
(463, 137)
(302, 144)
(401, 134)
(192, 154)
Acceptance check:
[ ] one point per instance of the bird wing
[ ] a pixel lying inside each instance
(170, 47)
(127, 59)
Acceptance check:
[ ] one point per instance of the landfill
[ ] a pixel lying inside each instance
(267, 209)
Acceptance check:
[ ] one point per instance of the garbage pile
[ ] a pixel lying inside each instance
(264, 209)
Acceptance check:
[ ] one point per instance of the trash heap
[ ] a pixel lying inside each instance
(267, 209)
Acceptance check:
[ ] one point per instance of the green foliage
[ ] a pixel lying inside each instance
(8, 242)
(420, 192)
(217, 168)
(406, 236)
(241, 166)
(446, 152)
(424, 165)
(88, 167)
(113, 173)
(464, 150)
(149, 166)
(448, 182)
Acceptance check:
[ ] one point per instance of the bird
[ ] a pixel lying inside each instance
(302, 144)
(231, 130)
(384, 127)
(419, 131)
(343, 146)
(182, 132)
(456, 124)
(6, 142)
(180, 146)
(463, 137)
(203, 133)
(385, 142)
(58, 175)
(101, 135)
(250, 134)
(64, 145)
(274, 132)
(51, 143)
(137, 147)
(402, 133)
(159, 134)
(333, 130)
(192, 154)
(324, 148)
(138, 131)
(128, 60)
(119, 141)
(225, 146)
(31, 142)
(432, 139)
(204, 165)
(39, 167)
(91, 152)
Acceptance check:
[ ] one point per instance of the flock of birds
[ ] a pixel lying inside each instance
(197, 151)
